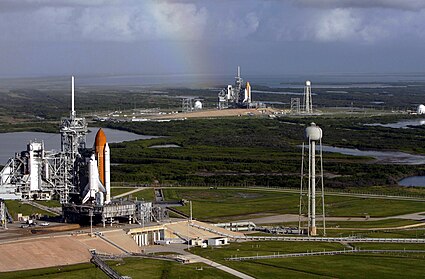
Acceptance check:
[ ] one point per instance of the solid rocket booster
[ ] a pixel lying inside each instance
(107, 174)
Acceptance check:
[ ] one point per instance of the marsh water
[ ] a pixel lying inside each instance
(413, 181)
(403, 124)
(387, 157)
(10, 143)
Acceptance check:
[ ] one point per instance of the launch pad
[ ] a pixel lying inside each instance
(77, 175)
(237, 96)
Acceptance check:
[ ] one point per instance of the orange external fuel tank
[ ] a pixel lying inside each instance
(99, 145)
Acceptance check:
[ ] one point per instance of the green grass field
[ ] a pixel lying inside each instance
(152, 269)
(145, 194)
(133, 267)
(230, 204)
(386, 223)
(52, 203)
(78, 271)
(16, 207)
(389, 246)
(371, 224)
(120, 190)
(251, 248)
(340, 266)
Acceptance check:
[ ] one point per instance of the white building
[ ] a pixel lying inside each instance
(421, 109)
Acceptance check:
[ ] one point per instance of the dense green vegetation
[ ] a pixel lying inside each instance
(232, 151)
(260, 151)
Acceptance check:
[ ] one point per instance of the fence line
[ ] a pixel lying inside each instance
(323, 253)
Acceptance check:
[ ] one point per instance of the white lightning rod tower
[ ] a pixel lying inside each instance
(313, 135)
(308, 101)
(72, 97)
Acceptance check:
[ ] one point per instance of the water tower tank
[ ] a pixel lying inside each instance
(198, 105)
(313, 132)
(308, 83)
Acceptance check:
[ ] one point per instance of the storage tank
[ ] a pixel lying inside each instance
(313, 132)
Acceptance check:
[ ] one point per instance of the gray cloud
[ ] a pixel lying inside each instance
(253, 20)
(101, 35)
(14, 5)
(392, 4)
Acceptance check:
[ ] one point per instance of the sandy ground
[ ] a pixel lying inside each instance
(61, 250)
(39, 253)
(216, 113)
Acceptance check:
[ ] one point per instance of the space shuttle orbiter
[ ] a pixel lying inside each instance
(99, 185)
(247, 97)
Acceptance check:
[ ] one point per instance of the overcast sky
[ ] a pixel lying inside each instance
(57, 37)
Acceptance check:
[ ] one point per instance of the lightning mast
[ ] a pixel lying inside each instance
(73, 132)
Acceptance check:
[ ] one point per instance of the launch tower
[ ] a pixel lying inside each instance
(73, 132)
(308, 101)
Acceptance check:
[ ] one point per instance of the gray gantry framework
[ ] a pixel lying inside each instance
(37, 174)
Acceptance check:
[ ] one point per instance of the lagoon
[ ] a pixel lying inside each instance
(10, 143)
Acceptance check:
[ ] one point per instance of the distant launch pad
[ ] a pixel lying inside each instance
(237, 96)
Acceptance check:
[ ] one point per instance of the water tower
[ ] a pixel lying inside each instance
(308, 101)
(312, 180)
